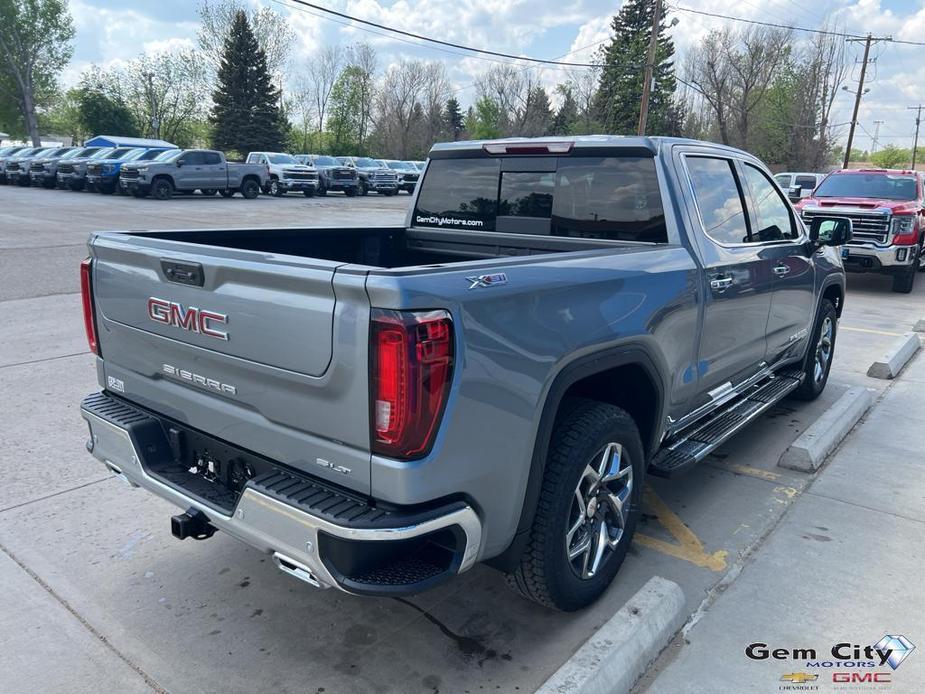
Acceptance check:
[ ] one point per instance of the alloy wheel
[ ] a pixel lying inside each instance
(823, 350)
(599, 511)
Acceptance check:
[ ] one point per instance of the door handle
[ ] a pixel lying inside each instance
(720, 284)
(781, 270)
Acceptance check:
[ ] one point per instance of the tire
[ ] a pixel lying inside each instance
(226, 193)
(275, 189)
(905, 280)
(582, 436)
(322, 191)
(818, 363)
(362, 189)
(162, 189)
(250, 189)
(208, 192)
(308, 192)
(350, 192)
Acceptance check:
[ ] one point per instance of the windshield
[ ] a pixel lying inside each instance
(103, 153)
(169, 155)
(78, 153)
(366, 163)
(27, 152)
(327, 161)
(118, 153)
(877, 186)
(133, 155)
(395, 165)
(281, 159)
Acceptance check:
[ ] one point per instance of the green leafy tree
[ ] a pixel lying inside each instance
(35, 45)
(99, 113)
(246, 105)
(454, 118)
(345, 111)
(484, 119)
(891, 157)
(617, 100)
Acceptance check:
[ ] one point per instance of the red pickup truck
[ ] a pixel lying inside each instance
(887, 208)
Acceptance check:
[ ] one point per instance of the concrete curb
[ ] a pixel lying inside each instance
(919, 326)
(617, 654)
(813, 446)
(895, 358)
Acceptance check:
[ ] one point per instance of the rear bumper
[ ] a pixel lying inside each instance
(884, 259)
(315, 532)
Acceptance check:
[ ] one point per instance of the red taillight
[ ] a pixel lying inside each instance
(411, 365)
(86, 295)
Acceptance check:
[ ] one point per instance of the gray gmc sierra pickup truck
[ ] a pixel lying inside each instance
(380, 408)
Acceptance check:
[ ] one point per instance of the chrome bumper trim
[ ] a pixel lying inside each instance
(885, 255)
(266, 523)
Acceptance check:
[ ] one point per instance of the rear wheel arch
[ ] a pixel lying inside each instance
(591, 377)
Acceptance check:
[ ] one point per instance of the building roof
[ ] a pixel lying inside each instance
(118, 141)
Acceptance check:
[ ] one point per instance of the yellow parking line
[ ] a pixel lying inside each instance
(869, 330)
(748, 470)
(688, 546)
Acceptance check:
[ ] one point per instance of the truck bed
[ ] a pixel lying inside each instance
(380, 247)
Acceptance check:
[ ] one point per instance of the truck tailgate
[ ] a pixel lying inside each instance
(269, 353)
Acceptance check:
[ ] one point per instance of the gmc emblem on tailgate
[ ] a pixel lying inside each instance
(196, 320)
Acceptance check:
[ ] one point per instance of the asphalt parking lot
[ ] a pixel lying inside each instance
(100, 595)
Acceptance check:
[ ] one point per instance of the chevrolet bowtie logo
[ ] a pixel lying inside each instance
(799, 677)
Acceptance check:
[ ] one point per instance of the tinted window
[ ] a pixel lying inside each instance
(718, 198)
(459, 193)
(879, 186)
(807, 183)
(213, 158)
(526, 194)
(119, 153)
(772, 213)
(192, 159)
(281, 159)
(614, 198)
(783, 180)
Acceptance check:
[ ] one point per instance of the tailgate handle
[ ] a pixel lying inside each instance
(183, 273)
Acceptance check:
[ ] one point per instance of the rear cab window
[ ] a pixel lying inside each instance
(615, 198)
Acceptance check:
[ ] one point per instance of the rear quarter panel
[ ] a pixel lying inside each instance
(511, 342)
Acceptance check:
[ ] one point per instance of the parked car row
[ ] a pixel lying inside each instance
(162, 171)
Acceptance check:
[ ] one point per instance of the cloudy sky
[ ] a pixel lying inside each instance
(110, 31)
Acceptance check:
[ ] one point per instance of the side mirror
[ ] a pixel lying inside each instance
(830, 231)
(179, 163)
(795, 193)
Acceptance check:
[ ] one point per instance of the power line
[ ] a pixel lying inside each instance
(439, 41)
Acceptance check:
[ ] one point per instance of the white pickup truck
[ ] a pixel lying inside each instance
(286, 174)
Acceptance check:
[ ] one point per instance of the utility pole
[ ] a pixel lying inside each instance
(877, 124)
(650, 65)
(918, 120)
(868, 40)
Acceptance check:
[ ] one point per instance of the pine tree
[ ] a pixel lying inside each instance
(454, 118)
(567, 114)
(617, 100)
(246, 105)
